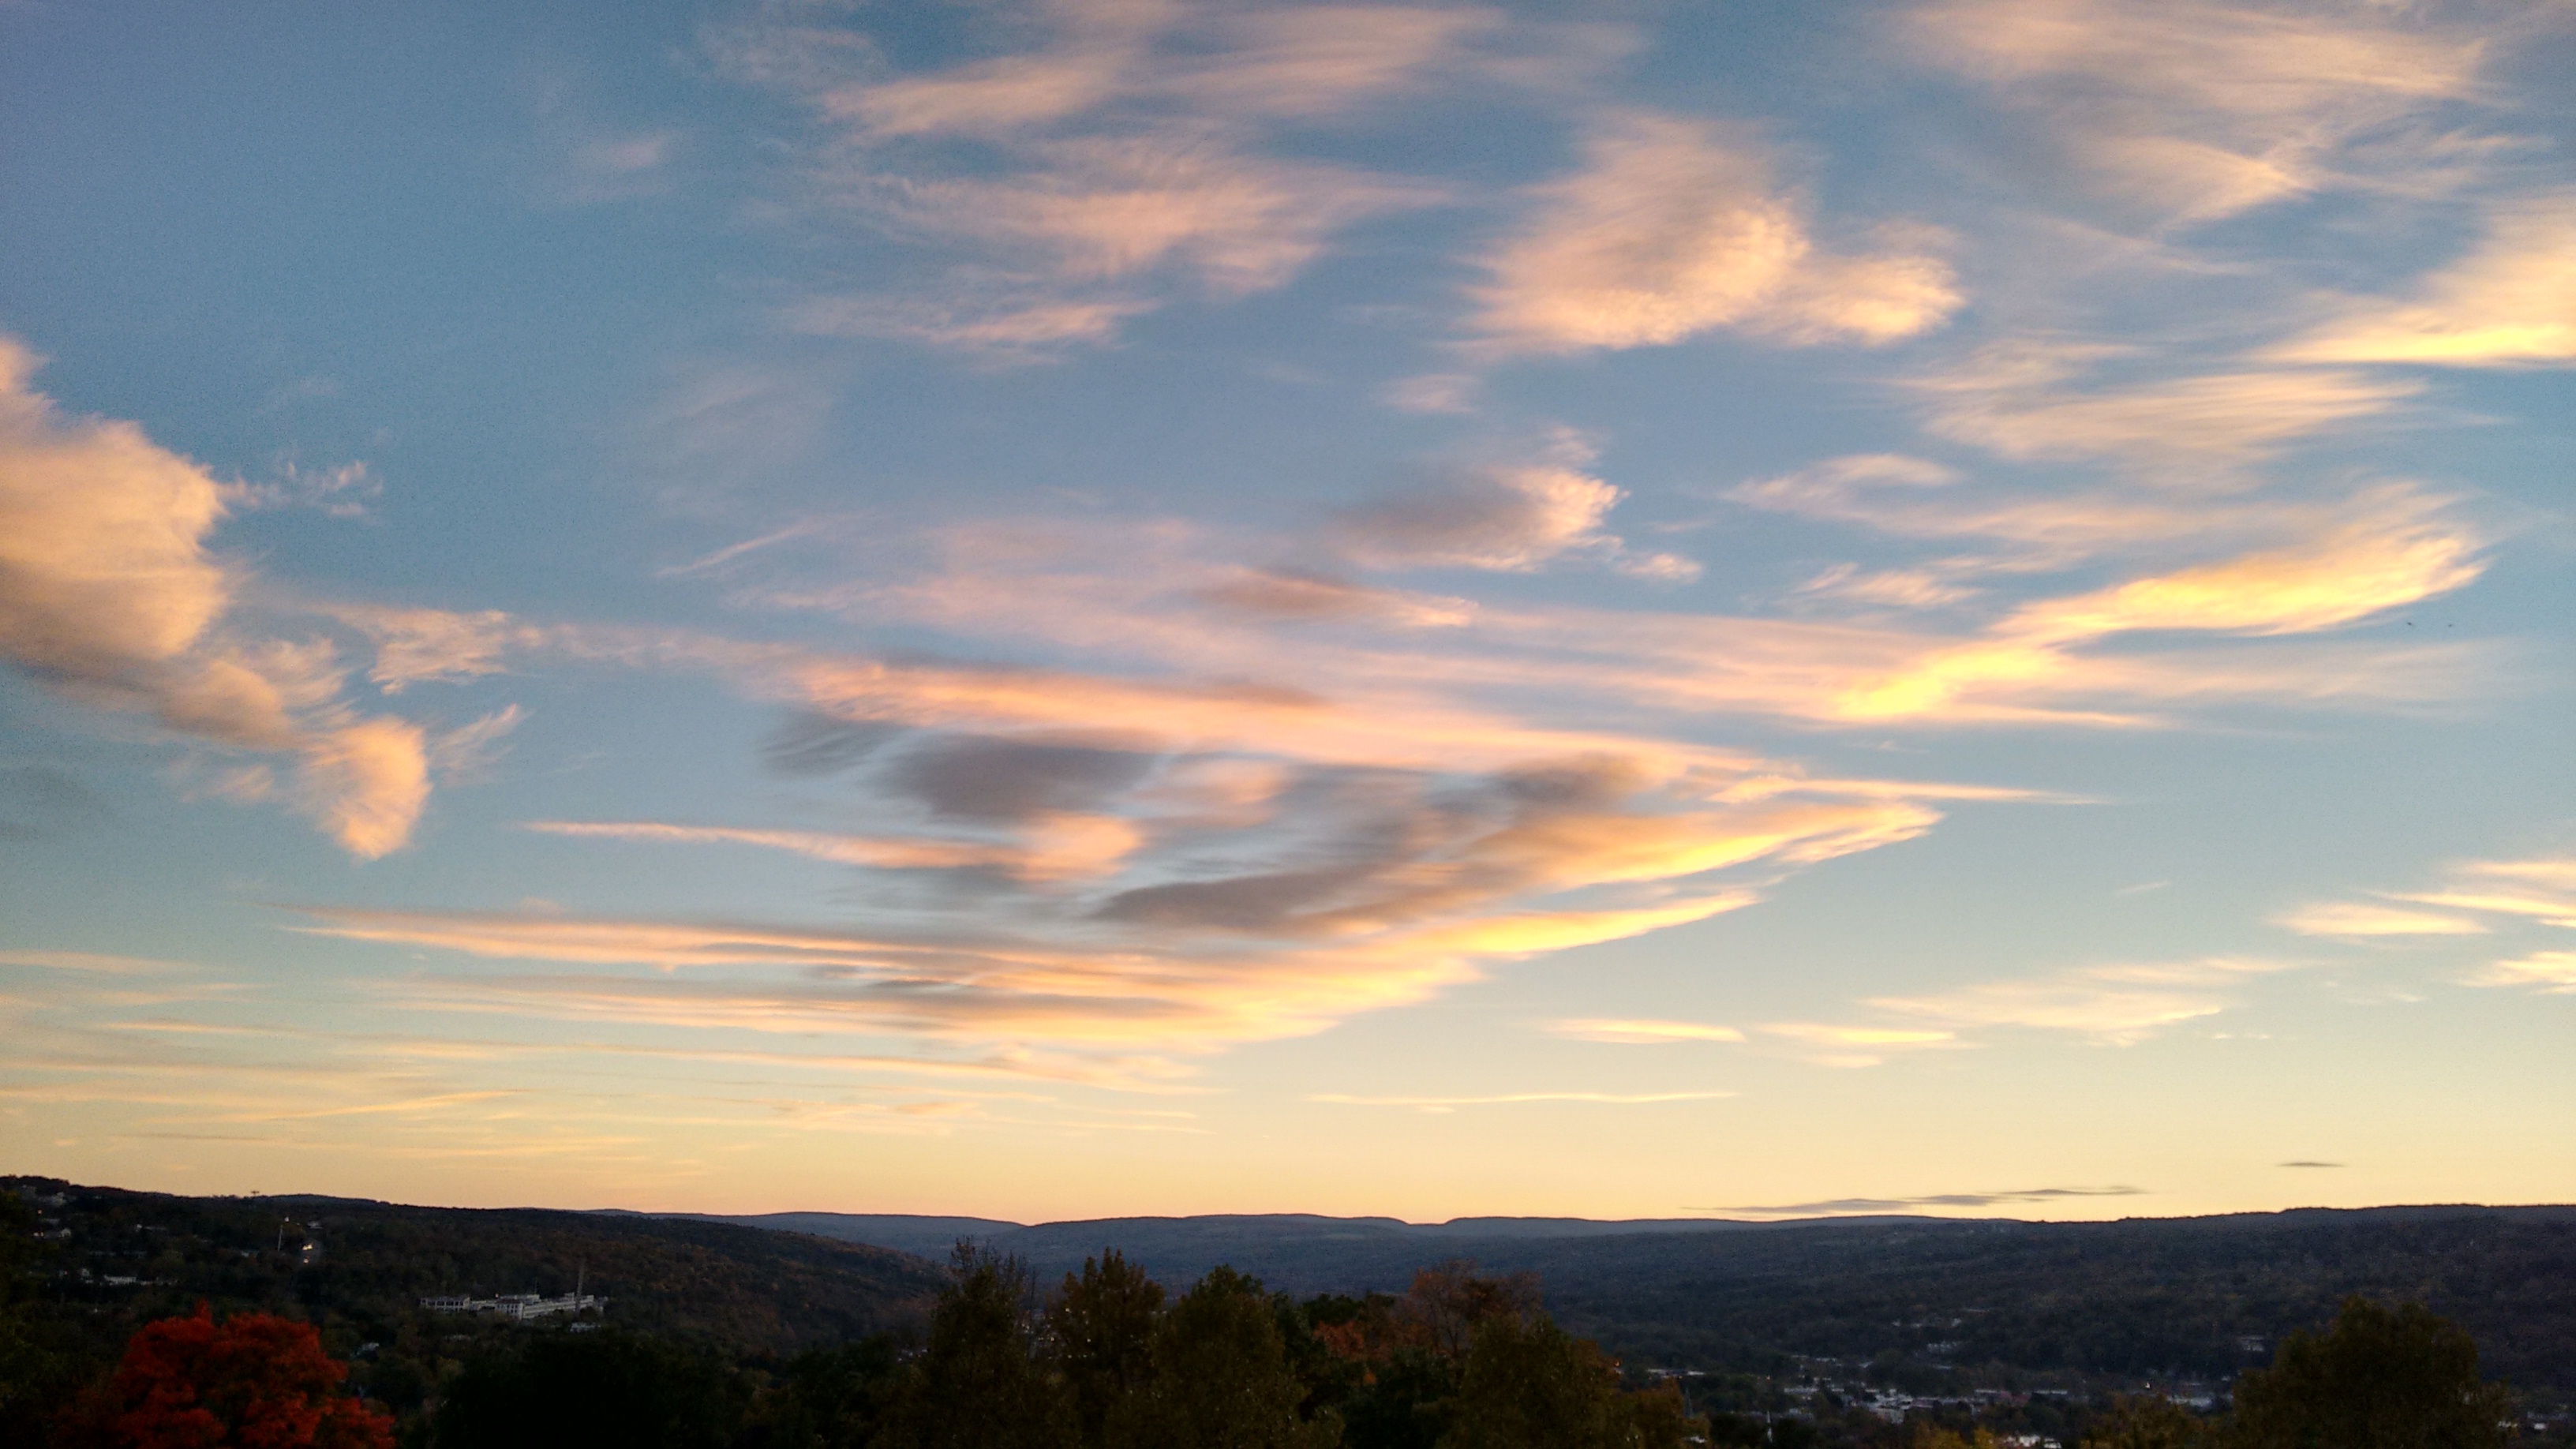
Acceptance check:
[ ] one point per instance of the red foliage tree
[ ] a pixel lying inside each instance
(254, 1381)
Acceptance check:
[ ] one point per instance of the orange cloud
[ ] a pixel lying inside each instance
(2397, 552)
(1354, 900)
(1670, 231)
(2509, 303)
(109, 595)
(1060, 846)
(2543, 889)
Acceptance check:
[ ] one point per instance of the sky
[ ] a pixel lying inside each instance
(1120, 607)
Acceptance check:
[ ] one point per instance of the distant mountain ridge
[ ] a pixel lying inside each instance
(933, 1236)
(2136, 1295)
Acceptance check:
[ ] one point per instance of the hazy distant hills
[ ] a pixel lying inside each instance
(1187, 1242)
(2195, 1295)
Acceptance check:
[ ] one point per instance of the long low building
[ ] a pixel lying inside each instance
(516, 1306)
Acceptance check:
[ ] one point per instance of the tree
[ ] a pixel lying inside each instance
(1530, 1385)
(1101, 1329)
(2381, 1378)
(552, 1390)
(2147, 1421)
(827, 1398)
(34, 1376)
(255, 1381)
(1221, 1377)
(1656, 1418)
(1448, 1303)
(978, 1383)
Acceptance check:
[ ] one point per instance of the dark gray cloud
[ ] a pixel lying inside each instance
(1396, 846)
(1265, 902)
(1836, 1206)
(998, 781)
(1484, 518)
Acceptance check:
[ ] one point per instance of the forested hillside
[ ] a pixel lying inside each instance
(104, 1261)
(2142, 1296)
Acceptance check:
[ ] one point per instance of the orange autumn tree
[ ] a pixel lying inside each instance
(253, 1381)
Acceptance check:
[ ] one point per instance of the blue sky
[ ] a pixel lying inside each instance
(1132, 607)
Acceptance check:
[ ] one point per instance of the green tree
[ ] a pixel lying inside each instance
(1221, 1377)
(1530, 1385)
(554, 1390)
(2381, 1378)
(978, 1383)
(34, 1377)
(1656, 1418)
(2149, 1421)
(1101, 1329)
(827, 1398)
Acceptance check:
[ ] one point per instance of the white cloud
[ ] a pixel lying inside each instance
(1644, 1032)
(1434, 392)
(2542, 888)
(1444, 1104)
(2551, 971)
(2354, 918)
(2115, 1005)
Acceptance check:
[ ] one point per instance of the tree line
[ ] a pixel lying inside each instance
(1107, 1359)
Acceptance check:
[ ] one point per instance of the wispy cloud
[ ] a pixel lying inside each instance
(2030, 399)
(2393, 548)
(1673, 229)
(1131, 165)
(1642, 1032)
(1055, 845)
(2115, 1005)
(1915, 498)
(2197, 111)
(2550, 971)
(2357, 918)
(1847, 1206)
(2540, 889)
(1505, 519)
(109, 595)
(2511, 302)
(1447, 1104)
